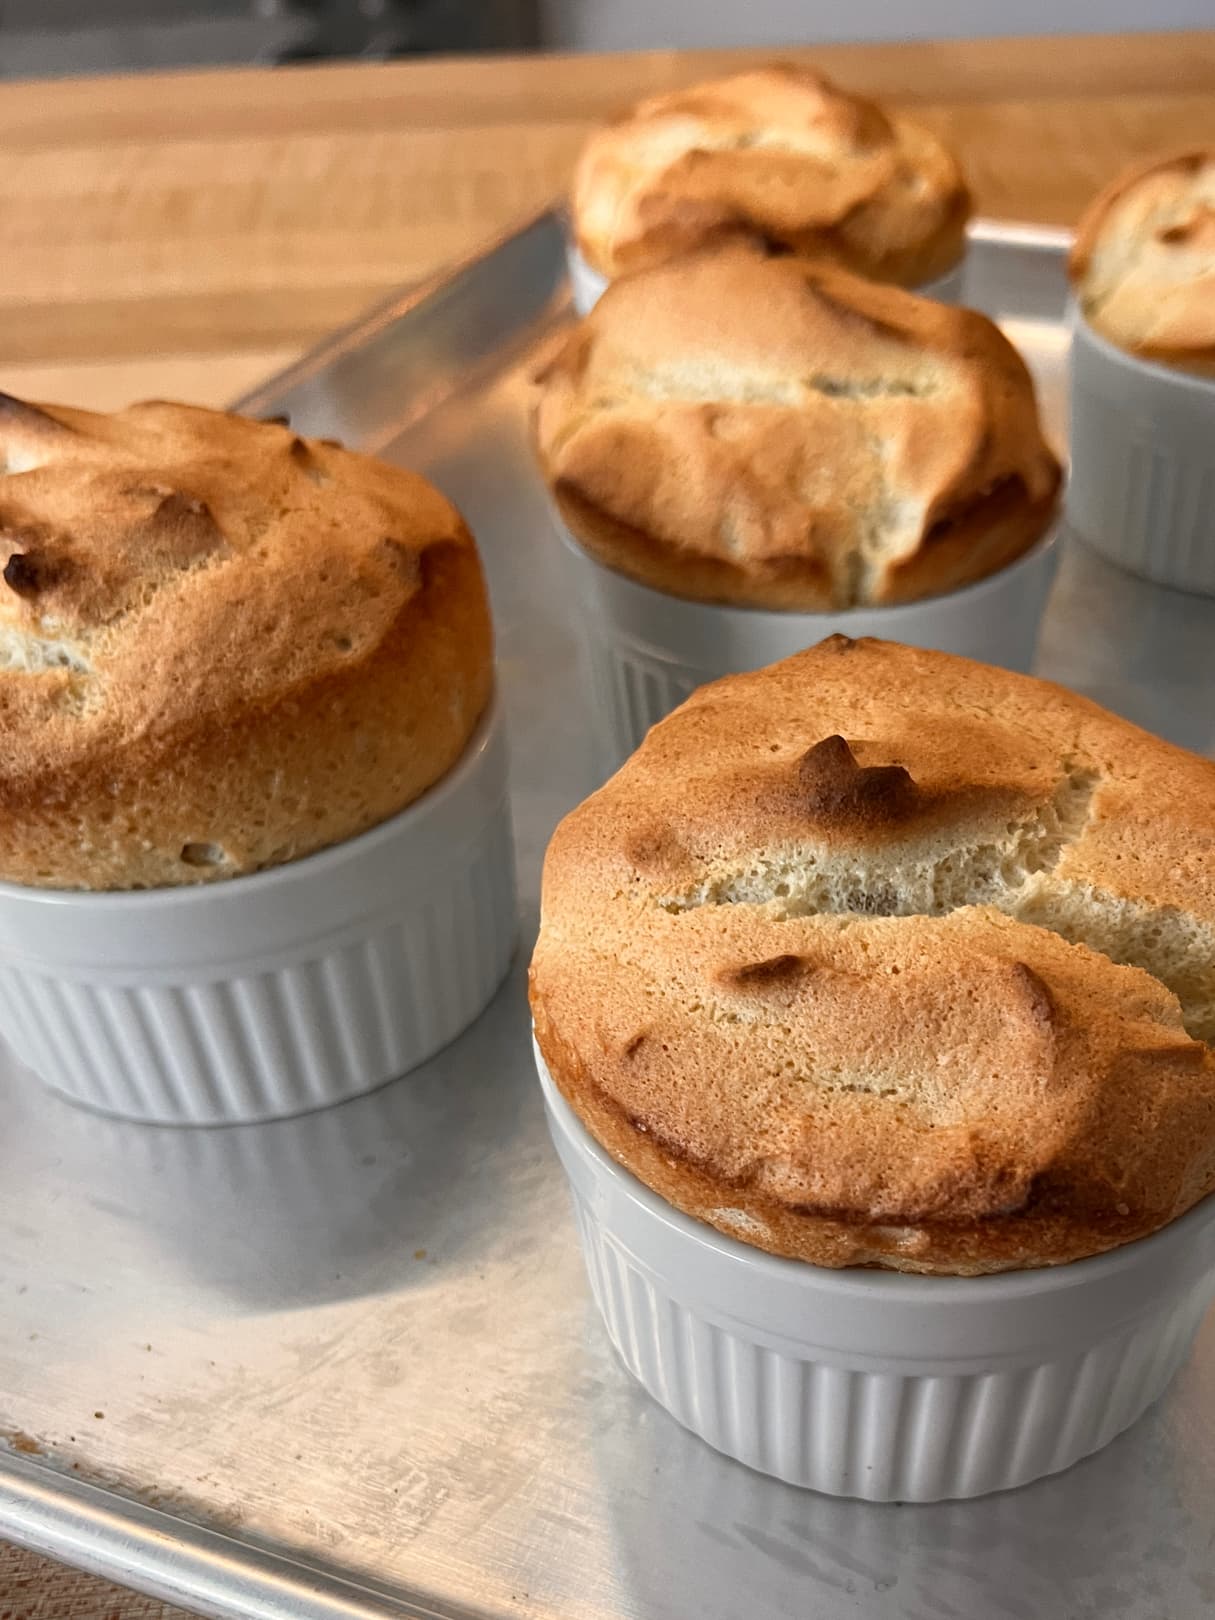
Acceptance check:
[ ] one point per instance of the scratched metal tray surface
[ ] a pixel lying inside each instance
(346, 1365)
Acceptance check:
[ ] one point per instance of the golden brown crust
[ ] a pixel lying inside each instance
(775, 433)
(780, 156)
(1143, 262)
(874, 957)
(221, 646)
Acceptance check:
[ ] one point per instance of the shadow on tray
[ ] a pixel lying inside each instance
(1098, 1537)
(330, 1205)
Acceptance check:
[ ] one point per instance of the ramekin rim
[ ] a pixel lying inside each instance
(578, 263)
(1080, 324)
(835, 619)
(129, 902)
(858, 1281)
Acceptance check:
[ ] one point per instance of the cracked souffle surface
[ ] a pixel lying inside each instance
(1143, 262)
(770, 432)
(222, 646)
(780, 156)
(882, 957)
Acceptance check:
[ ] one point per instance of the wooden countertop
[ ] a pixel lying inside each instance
(186, 234)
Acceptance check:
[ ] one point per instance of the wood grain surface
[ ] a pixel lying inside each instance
(186, 234)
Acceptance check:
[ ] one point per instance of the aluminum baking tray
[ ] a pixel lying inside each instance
(346, 1365)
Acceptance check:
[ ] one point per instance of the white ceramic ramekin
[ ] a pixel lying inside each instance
(279, 992)
(871, 1383)
(1142, 486)
(587, 284)
(647, 651)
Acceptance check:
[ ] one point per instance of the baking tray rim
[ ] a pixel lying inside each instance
(1052, 241)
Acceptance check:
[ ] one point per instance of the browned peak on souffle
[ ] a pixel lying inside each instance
(222, 646)
(1143, 263)
(780, 155)
(883, 957)
(774, 433)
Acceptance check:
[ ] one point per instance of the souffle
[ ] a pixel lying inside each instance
(780, 156)
(883, 957)
(222, 646)
(1143, 263)
(774, 432)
